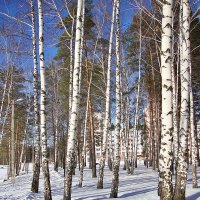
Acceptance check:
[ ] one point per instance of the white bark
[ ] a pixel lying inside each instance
(36, 168)
(182, 162)
(174, 100)
(45, 165)
(82, 44)
(194, 138)
(83, 153)
(107, 110)
(3, 97)
(127, 135)
(55, 116)
(165, 158)
(8, 97)
(71, 68)
(116, 161)
(24, 140)
(13, 142)
(193, 134)
(74, 110)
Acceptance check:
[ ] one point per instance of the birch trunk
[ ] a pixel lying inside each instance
(154, 117)
(80, 73)
(127, 130)
(193, 133)
(107, 110)
(116, 161)
(165, 159)
(182, 162)
(45, 164)
(70, 158)
(92, 139)
(71, 68)
(174, 100)
(12, 141)
(23, 143)
(194, 139)
(175, 131)
(36, 167)
(56, 117)
(9, 100)
(93, 154)
(83, 154)
(3, 98)
(83, 157)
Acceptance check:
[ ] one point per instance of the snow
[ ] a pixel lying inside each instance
(141, 186)
(3, 172)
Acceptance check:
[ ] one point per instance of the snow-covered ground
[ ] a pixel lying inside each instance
(141, 186)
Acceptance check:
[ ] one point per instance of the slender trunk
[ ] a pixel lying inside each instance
(116, 161)
(194, 141)
(107, 110)
(55, 116)
(153, 103)
(9, 159)
(36, 167)
(3, 98)
(80, 75)
(109, 150)
(45, 164)
(165, 189)
(193, 132)
(71, 64)
(8, 95)
(23, 143)
(174, 100)
(146, 162)
(157, 133)
(13, 141)
(92, 140)
(70, 158)
(91, 120)
(83, 155)
(127, 135)
(182, 162)
(71, 67)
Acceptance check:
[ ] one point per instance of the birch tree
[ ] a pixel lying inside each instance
(192, 128)
(165, 158)
(107, 110)
(174, 98)
(193, 136)
(45, 164)
(74, 109)
(127, 130)
(182, 162)
(116, 162)
(36, 168)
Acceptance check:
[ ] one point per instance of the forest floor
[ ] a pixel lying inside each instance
(141, 186)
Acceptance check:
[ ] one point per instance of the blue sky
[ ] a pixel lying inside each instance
(14, 7)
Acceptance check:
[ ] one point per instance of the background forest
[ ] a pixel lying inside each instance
(85, 82)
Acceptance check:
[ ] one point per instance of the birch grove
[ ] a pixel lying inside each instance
(99, 95)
